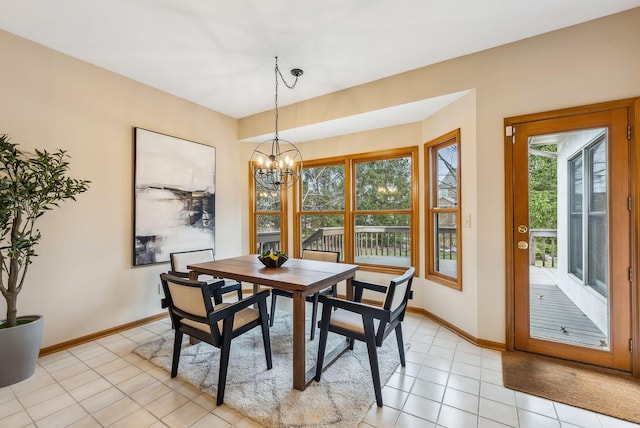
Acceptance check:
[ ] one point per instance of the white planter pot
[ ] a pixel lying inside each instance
(19, 349)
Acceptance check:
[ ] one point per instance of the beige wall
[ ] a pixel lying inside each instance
(83, 281)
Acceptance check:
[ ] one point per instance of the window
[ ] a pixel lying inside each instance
(322, 214)
(588, 196)
(364, 206)
(268, 219)
(442, 199)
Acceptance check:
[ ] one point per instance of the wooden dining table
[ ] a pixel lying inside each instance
(302, 277)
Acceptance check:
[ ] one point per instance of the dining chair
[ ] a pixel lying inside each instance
(194, 312)
(368, 323)
(181, 259)
(324, 256)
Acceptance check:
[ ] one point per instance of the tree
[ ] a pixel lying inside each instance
(543, 190)
(30, 185)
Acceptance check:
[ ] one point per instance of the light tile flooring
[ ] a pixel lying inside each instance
(447, 382)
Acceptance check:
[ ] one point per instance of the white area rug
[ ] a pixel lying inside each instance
(340, 399)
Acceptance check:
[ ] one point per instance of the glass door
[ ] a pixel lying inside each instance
(572, 238)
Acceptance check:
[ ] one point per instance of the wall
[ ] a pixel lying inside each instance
(588, 63)
(82, 280)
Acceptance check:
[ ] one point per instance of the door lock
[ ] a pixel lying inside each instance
(523, 245)
(522, 228)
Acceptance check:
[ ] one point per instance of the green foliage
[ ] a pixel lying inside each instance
(30, 185)
(384, 185)
(543, 190)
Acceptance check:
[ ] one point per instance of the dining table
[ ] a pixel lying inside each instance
(302, 277)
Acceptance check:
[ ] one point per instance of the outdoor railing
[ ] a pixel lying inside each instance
(268, 241)
(543, 247)
(389, 241)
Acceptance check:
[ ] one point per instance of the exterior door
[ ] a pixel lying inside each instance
(572, 237)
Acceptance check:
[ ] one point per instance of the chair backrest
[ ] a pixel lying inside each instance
(398, 293)
(188, 299)
(323, 256)
(180, 260)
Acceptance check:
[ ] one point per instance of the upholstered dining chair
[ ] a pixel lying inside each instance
(194, 312)
(181, 259)
(324, 256)
(368, 323)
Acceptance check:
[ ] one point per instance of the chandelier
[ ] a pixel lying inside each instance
(276, 164)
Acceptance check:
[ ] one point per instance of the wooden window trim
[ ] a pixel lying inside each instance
(431, 181)
(349, 162)
(253, 217)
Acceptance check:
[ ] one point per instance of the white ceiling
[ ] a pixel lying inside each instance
(220, 53)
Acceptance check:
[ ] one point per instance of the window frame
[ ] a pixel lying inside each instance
(431, 192)
(254, 213)
(349, 162)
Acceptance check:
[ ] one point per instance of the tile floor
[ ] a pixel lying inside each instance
(447, 382)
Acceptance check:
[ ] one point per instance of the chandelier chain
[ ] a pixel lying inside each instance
(290, 86)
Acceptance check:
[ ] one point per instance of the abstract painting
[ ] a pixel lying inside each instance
(174, 196)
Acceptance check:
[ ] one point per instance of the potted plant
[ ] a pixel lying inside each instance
(30, 185)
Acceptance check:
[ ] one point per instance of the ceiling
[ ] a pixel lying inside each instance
(220, 53)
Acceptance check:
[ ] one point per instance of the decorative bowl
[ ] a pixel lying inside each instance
(271, 262)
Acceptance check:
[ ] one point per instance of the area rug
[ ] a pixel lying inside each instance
(340, 399)
(580, 385)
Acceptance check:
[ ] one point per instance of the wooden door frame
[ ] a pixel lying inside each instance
(633, 106)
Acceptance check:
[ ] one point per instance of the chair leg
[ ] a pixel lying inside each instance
(400, 344)
(324, 332)
(177, 346)
(373, 359)
(273, 309)
(314, 316)
(266, 340)
(224, 358)
(240, 292)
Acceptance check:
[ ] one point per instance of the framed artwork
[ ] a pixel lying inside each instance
(174, 196)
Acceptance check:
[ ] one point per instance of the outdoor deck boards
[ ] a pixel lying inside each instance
(554, 316)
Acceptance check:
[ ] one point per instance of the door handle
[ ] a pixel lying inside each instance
(523, 245)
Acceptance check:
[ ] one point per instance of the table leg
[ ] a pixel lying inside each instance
(349, 289)
(299, 352)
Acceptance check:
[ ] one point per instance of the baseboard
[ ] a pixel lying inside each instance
(91, 337)
(478, 342)
(84, 339)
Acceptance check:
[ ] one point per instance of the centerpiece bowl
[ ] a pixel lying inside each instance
(273, 259)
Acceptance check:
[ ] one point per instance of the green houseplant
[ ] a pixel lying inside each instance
(30, 185)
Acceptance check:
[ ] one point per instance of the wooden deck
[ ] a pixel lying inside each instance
(555, 317)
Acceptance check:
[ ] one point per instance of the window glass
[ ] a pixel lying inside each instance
(322, 232)
(268, 233)
(446, 252)
(384, 184)
(267, 200)
(323, 188)
(383, 239)
(447, 173)
(575, 216)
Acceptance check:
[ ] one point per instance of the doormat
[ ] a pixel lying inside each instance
(581, 385)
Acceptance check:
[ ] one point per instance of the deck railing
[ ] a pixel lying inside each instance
(543, 247)
(390, 241)
(268, 241)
